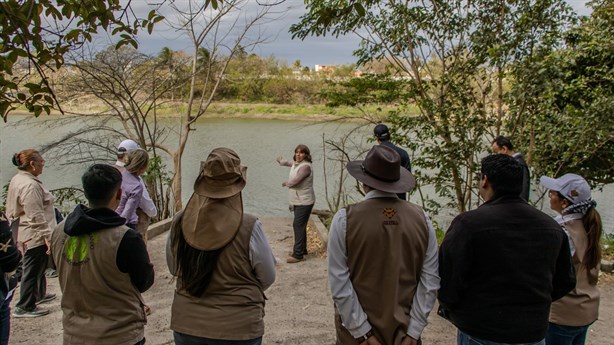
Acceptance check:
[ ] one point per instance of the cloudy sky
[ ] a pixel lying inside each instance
(311, 51)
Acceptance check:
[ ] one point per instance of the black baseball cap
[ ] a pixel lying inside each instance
(381, 132)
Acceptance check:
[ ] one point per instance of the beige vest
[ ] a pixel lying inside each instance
(301, 194)
(99, 303)
(386, 243)
(580, 307)
(232, 307)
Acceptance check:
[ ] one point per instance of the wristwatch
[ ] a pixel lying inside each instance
(365, 337)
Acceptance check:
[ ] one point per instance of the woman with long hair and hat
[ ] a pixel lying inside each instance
(221, 258)
(571, 316)
(30, 204)
(301, 198)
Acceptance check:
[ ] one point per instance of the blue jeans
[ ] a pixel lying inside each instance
(566, 335)
(466, 339)
(185, 339)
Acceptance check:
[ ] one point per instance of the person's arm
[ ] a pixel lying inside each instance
(34, 210)
(301, 174)
(284, 163)
(133, 258)
(353, 316)
(261, 257)
(426, 292)
(455, 255)
(146, 204)
(564, 279)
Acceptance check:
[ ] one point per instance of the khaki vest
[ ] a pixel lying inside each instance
(99, 303)
(302, 194)
(580, 307)
(232, 307)
(386, 242)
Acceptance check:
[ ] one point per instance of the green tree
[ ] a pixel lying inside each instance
(570, 96)
(453, 58)
(42, 32)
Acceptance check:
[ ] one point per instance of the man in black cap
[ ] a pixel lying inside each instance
(390, 248)
(382, 135)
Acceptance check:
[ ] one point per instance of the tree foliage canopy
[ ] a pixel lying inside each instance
(37, 34)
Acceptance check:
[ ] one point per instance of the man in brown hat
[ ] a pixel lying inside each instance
(382, 258)
(222, 260)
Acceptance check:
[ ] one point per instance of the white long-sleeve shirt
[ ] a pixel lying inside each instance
(353, 316)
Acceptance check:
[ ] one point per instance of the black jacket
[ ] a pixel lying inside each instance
(526, 177)
(9, 255)
(501, 266)
(132, 256)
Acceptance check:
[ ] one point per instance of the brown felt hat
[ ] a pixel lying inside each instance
(381, 169)
(213, 215)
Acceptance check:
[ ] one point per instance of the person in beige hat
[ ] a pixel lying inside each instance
(221, 258)
(390, 248)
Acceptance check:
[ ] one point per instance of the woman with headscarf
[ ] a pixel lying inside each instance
(221, 258)
(31, 204)
(572, 315)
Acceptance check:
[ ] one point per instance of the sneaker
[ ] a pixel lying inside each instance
(38, 311)
(292, 260)
(48, 298)
(51, 273)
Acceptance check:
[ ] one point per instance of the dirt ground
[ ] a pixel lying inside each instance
(299, 308)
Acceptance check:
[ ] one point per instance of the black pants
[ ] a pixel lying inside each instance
(33, 282)
(301, 217)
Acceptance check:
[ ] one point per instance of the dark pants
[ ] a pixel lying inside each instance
(5, 320)
(185, 339)
(33, 282)
(566, 335)
(301, 217)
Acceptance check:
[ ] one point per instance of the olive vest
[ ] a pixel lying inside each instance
(99, 303)
(580, 307)
(302, 194)
(232, 307)
(386, 241)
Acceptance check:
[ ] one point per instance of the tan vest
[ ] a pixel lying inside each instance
(99, 303)
(232, 307)
(386, 243)
(302, 194)
(580, 307)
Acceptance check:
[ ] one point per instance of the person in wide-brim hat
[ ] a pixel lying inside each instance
(214, 212)
(381, 169)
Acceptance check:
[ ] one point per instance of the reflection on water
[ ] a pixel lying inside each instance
(258, 143)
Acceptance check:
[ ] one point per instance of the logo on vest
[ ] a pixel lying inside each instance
(77, 248)
(389, 213)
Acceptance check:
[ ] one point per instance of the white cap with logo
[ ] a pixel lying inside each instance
(573, 187)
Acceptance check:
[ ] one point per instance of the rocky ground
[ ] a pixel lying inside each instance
(299, 307)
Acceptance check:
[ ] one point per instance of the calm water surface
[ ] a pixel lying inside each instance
(258, 143)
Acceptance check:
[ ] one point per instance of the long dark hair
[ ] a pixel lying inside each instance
(194, 267)
(594, 229)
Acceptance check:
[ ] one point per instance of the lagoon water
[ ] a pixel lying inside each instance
(258, 142)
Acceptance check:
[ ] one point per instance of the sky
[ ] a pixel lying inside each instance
(326, 50)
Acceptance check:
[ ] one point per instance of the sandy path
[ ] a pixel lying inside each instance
(298, 311)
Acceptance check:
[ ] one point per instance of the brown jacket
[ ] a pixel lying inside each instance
(232, 307)
(386, 242)
(99, 302)
(580, 307)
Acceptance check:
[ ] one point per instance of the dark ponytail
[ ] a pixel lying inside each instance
(594, 229)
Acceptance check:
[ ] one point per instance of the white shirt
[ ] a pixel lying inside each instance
(353, 316)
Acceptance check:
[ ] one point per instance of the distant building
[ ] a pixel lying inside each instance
(325, 68)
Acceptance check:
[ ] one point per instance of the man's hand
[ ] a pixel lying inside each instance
(407, 340)
(48, 243)
(371, 341)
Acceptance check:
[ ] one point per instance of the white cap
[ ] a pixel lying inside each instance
(573, 187)
(127, 145)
